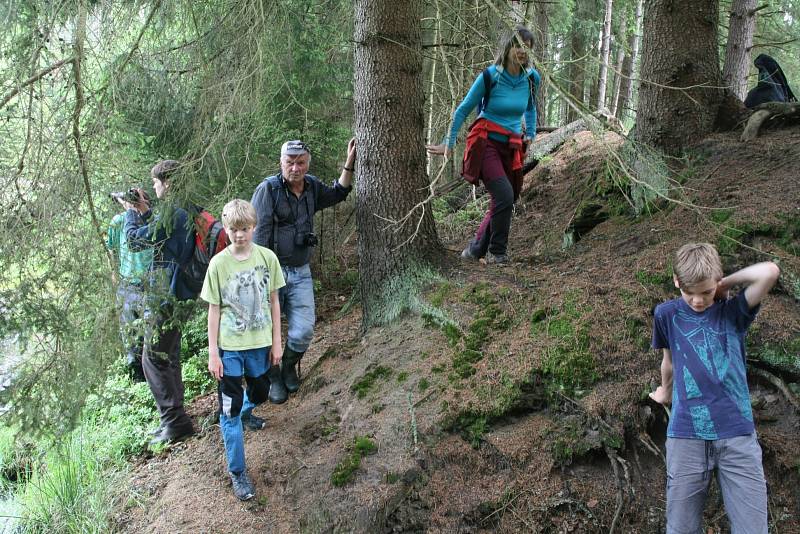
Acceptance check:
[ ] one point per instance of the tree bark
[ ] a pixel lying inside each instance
(396, 228)
(629, 67)
(605, 56)
(576, 72)
(740, 41)
(620, 40)
(680, 89)
(541, 46)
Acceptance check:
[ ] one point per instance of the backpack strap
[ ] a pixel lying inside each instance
(274, 189)
(488, 83)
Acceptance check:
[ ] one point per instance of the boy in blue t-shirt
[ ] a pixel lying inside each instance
(244, 332)
(711, 426)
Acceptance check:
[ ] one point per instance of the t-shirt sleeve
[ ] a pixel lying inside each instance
(276, 280)
(211, 292)
(660, 337)
(740, 312)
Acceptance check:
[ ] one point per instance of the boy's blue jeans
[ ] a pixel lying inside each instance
(737, 462)
(234, 401)
(297, 304)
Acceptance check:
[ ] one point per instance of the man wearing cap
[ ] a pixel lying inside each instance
(286, 204)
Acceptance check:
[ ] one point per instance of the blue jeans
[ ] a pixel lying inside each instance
(130, 301)
(737, 462)
(297, 304)
(234, 401)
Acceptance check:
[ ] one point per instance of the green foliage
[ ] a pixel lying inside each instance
(69, 490)
(364, 385)
(648, 278)
(471, 425)
(402, 377)
(784, 356)
(403, 294)
(568, 364)
(345, 470)
(423, 384)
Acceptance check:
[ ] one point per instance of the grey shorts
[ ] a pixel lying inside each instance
(737, 462)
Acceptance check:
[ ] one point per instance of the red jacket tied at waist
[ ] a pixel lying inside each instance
(476, 143)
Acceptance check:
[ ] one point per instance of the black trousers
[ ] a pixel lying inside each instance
(161, 362)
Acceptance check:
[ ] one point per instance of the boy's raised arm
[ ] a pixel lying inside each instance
(758, 279)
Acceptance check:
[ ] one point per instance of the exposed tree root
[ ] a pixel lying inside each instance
(789, 110)
(778, 383)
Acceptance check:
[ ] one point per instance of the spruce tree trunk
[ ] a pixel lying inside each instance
(576, 72)
(679, 94)
(396, 231)
(740, 41)
(605, 56)
(620, 40)
(541, 45)
(629, 66)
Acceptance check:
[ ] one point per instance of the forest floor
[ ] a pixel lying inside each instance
(517, 401)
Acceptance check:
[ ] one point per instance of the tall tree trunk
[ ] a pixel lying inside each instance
(679, 94)
(620, 43)
(629, 66)
(740, 41)
(577, 68)
(541, 46)
(605, 56)
(396, 228)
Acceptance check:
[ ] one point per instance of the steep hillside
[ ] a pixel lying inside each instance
(516, 400)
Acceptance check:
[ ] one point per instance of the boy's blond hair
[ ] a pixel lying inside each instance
(695, 263)
(238, 214)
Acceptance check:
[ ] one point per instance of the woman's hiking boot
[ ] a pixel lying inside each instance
(277, 390)
(497, 259)
(289, 364)
(242, 487)
(467, 255)
(171, 434)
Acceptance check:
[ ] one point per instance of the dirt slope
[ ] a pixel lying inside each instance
(517, 401)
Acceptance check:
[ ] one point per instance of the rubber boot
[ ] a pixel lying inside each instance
(277, 391)
(289, 364)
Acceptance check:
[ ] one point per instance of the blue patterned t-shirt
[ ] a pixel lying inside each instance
(710, 396)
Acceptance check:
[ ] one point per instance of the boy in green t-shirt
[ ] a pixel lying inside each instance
(241, 288)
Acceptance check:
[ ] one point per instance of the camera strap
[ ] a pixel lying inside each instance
(275, 188)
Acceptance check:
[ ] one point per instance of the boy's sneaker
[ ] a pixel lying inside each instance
(242, 487)
(253, 422)
(497, 259)
(466, 254)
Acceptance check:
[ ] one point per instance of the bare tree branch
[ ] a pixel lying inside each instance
(33, 79)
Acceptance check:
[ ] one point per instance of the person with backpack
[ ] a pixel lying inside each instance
(504, 93)
(286, 204)
(132, 268)
(171, 237)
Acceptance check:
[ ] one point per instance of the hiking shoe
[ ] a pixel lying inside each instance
(242, 487)
(497, 259)
(466, 254)
(252, 422)
(170, 435)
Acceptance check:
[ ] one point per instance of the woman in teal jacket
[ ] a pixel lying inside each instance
(497, 140)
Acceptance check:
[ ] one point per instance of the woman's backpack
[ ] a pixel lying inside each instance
(209, 239)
